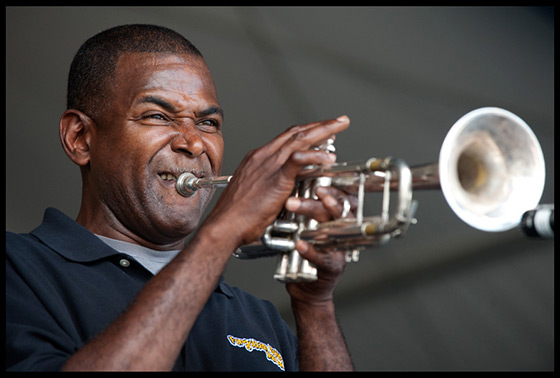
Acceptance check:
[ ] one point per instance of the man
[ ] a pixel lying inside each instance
(119, 288)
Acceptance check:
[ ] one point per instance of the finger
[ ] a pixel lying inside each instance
(323, 210)
(341, 196)
(287, 134)
(296, 162)
(304, 137)
(311, 208)
(312, 157)
(332, 204)
(330, 262)
(307, 137)
(286, 152)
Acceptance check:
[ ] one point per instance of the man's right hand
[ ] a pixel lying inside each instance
(266, 177)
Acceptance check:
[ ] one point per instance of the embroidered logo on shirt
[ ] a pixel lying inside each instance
(251, 344)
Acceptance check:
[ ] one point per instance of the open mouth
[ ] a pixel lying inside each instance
(167, 177)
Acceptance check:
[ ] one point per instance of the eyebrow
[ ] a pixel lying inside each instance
(212, 110)
(158, 101)
(169, 107)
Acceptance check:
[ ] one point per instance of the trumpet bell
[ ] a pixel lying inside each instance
(491, 169)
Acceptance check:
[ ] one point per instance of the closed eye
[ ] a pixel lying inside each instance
(209, 125)
(156, 116)
(154, 119)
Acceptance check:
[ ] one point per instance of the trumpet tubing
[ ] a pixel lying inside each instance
(490, 169)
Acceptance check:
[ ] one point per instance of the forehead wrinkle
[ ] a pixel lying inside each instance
(174, 83)
(160, 72)
(157, 100)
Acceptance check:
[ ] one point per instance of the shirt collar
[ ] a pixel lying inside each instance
(76, 243)
(70, 239)
(224, 288)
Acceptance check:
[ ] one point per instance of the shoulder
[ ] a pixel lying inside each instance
(21, 246)
(15, 239)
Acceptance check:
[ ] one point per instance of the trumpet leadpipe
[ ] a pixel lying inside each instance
(188, 183)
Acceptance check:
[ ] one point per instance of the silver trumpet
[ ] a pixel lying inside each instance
(491, 171)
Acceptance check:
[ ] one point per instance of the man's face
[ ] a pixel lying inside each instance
(162, 118)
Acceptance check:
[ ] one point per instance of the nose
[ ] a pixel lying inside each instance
(188, 141)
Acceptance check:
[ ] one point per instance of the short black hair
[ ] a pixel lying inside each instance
(96, 60)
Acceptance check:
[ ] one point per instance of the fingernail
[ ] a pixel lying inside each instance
(321, 190)
(331, 201)
(302, 247)
(293, 203)
(342, 118)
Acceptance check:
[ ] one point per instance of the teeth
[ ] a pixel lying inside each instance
(167, 176)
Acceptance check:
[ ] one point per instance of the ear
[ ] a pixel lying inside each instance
(75, 132)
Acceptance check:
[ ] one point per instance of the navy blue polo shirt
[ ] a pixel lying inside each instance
(64, 286)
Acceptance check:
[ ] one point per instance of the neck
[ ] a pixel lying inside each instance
(105, 223)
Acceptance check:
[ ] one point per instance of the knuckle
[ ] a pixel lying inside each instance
(259, 154)
(294, 128)
(252, 153)
(298, 136)
(297, 157)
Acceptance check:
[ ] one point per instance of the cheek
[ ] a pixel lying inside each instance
(215, 151)
(120, 166)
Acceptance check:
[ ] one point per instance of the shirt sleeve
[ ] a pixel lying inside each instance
(34, 340)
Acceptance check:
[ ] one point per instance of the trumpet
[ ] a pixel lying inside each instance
(490, 169)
